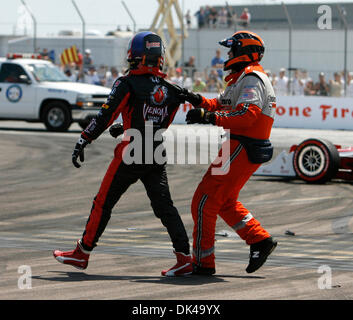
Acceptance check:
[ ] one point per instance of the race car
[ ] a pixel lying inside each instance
(313, 160)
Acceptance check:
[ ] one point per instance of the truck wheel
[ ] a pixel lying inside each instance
(316, 161)
(57, 116)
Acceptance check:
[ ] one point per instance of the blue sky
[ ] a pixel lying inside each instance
(101, 15)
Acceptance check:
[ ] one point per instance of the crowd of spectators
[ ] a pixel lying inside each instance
(299, 83)
(225, 17)
(86, 72)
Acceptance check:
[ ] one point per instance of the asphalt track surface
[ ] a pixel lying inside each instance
(45, 203)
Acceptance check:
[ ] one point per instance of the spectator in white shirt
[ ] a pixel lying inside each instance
(187, 82)
(72, 77)
(336, 86)
(297, 85)
(178, 79)
(281, 83)
(92, 77)
(222, 18)
(71, 72)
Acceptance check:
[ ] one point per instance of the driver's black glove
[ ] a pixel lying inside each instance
(79, 151)
(116, 130)
(186, 95)
(194, 98)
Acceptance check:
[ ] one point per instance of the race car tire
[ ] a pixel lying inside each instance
(57, 116)
(316, 160)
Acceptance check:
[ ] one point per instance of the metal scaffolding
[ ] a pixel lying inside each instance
(164, 17)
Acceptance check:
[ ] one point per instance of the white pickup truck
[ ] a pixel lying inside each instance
(36, 90)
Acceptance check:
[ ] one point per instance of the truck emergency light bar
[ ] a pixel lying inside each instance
(23, 56)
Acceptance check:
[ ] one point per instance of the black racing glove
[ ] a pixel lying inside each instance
(79, 151)
(179, 91)
(194, 98)
(116, 130)
(200, 115)
(184, 94)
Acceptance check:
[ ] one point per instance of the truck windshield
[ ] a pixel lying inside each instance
(47, 72)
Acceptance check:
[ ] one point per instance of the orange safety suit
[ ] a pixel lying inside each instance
(246, 108)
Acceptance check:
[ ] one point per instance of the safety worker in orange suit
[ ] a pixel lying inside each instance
(246, 111)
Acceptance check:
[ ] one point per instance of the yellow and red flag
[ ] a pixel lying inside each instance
(69, 55)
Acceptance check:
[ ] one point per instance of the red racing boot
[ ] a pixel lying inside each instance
(183, 266)
(78, 258)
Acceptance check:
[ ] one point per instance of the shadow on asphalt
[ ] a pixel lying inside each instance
(291, 180)
(35, 130)
(64, 276)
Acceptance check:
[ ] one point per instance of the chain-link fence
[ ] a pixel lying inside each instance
(301, 58)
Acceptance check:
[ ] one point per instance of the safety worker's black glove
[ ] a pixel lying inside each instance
(116, 130)
(79, 151)
(200, 115)
(194, 98)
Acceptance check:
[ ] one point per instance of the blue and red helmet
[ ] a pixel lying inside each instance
(146, 47)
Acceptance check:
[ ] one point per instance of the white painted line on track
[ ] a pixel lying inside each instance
(314, 199)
